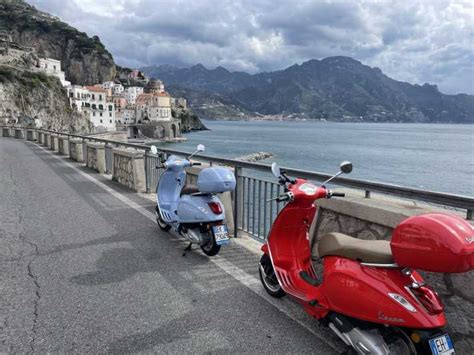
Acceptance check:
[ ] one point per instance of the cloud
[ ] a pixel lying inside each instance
(411, 41)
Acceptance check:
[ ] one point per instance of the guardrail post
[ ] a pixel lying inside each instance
(147, 175)
(469, 214)
(237, 173)
(367, 194)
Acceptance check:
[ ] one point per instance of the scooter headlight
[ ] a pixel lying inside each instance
(403, 301)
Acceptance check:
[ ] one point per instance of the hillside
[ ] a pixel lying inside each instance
(31, 95)
(334, 88)
(85, 60)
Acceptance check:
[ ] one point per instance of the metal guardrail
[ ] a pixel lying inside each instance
(252, 213)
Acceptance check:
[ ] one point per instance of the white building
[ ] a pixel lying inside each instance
(92, 101)
(53, 67)
(153, 107)
(129, 114)
(132, 93)
(117, 89)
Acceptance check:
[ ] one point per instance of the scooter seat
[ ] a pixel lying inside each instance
(189, 189)
(367, 251)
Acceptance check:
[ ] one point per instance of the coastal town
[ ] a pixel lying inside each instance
(137, 105)
(111, 106)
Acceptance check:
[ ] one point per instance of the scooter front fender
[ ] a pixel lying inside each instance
(363, 292)
(195, 209)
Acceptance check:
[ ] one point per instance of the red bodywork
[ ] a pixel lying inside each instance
(348, 287)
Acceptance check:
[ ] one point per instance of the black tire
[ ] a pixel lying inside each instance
(161, 223)
(211, 248)
(268, 278)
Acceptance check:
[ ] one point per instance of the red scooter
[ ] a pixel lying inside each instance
(369, 293)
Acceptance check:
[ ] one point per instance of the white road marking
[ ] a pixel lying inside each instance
(252, 283)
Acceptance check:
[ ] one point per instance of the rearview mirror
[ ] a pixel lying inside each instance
(153, 149)
(346, 167)
(201, 148)
(276, 170)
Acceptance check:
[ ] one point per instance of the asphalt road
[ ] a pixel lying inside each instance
(84, 269)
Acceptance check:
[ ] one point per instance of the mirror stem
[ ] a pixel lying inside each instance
(331, 178)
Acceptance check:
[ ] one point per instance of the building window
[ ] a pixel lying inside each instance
(101, 107)
(94, 106)
(100, 121)
(100, 97)
(93, 97)
(54, 67)
(101, 114)
(110, 121)
(93, 114)
(110, 114)
(110, 107)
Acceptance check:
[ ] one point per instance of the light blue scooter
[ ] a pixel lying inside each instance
(195, 212)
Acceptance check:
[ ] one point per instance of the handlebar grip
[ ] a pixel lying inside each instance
(338, 194)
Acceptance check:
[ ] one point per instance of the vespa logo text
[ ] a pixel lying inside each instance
(470, 240)
(390, 319)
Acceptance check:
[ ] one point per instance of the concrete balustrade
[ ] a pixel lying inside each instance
(54, 143)
(96, 157)
(129, 168)
(47, 139)
(76, 150)
(19, 133)
(31, 135)
(63, 145)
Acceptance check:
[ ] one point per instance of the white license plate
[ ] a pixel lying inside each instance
(442, 345)
(221, 234)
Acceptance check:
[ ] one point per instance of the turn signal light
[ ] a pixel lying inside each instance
(429, 299)
(215, 207)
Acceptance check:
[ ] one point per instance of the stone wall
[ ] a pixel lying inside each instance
(63, 145)
(374, 219)
(76, 151)
(129, 168)
(96, 157)
(117, 136)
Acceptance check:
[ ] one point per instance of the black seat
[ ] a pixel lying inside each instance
(189, 189)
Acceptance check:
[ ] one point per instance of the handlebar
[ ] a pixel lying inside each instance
(330, 194)
(287, 196)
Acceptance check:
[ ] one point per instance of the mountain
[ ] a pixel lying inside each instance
(84, 60)
(334, 88)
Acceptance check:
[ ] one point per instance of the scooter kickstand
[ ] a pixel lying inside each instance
(188, 248)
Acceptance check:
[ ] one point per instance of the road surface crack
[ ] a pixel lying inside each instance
(29, 265)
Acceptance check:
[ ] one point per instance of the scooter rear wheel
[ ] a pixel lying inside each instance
(268, 278)
(211, 248)
(161, 223)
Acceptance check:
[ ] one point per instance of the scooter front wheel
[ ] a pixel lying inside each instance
(211, 248)
(161, 223)
(269, 280)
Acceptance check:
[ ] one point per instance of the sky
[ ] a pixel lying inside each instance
(415, 41)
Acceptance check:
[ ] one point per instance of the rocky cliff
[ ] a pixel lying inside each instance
(33, 97)
(84, 60)
(334, 88)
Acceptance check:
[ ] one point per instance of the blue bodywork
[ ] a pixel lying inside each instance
(187, 208)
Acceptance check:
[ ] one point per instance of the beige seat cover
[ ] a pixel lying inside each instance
(368, 251)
